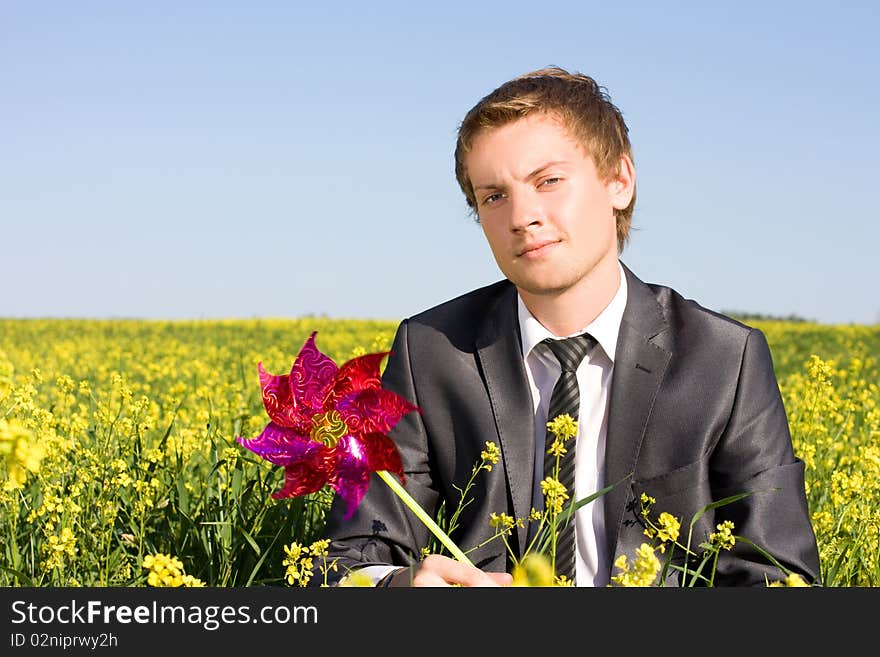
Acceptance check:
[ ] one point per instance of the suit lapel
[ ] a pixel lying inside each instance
(499, 351)
(639, 366)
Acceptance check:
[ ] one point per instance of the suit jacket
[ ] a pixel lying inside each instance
(695, 415)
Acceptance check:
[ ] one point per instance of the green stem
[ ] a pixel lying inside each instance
(424, 517)
(714, 567)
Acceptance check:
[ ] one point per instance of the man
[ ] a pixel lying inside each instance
(675, 401)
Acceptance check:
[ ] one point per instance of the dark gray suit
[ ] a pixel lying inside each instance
(695, 415)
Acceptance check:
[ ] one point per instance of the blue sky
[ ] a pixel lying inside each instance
(279, 159)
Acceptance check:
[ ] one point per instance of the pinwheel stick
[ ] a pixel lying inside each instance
(424, 517)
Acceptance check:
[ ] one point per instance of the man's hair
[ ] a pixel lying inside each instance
(584, 108)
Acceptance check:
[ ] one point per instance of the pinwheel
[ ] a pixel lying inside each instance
(328, 426)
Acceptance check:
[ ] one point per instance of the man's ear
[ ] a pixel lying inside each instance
(622, 185)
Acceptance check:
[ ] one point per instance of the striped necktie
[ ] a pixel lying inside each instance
(566, 399)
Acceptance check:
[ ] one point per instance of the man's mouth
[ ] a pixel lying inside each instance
(536, 249)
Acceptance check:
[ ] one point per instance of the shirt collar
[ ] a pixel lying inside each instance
(604, 328)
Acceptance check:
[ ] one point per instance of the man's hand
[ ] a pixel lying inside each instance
(437, 570)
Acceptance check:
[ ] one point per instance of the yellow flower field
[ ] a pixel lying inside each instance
(119, 467)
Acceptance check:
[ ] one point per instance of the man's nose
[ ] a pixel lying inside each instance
(525, 210)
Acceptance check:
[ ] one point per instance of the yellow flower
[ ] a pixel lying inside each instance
(319, 547)
(563, 426)
(6, 371)
(192, 582)
(554, 494)
(793, 580)
(533, 570)
(356, 578)
(723, 538)
(489, 456)
(669, 527)
(646, 502)
(300, 561)
(641, 572)
(21, 453)
(501, 521)
(557, 448)
(167, 571)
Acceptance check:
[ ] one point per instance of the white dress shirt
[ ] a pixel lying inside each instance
(594, 383)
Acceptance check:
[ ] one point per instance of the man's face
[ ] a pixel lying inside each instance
(547, 215)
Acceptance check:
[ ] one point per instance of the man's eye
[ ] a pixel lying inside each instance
(550, 181)
(492, 198)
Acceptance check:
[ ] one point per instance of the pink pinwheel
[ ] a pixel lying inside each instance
(329, 424)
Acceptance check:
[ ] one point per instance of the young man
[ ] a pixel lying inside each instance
(675, 401)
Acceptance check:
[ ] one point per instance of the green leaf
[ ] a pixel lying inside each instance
(765, 554)
(20, 576)
(251, 541)
(723, 502)
(182, 496)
